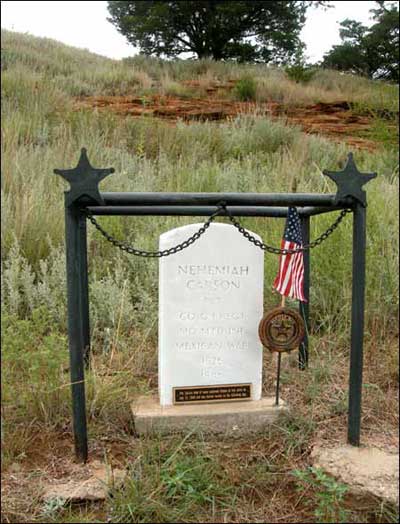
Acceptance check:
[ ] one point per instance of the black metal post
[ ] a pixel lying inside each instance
(84, 285)
(357, 324)
(305, 306)
(76, 264)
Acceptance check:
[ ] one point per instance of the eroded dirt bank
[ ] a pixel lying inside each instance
(334, 120)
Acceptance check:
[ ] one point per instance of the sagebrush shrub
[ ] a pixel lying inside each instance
(246, 89)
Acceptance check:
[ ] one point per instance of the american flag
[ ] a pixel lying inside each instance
(290, 278)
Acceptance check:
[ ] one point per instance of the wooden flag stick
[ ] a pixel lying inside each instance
(283, 301)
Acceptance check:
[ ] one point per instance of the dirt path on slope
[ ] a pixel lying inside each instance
(333, 120)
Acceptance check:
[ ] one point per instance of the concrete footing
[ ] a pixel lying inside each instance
(366, 470)
(229, 418)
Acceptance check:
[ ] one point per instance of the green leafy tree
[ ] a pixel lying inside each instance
(245, 31)
(373, 51)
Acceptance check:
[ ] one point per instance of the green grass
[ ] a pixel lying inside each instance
(246, 89)
(176, 482)
(40, 132)
(329, 494)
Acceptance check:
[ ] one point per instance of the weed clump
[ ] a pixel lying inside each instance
(300, 73)
(328, 501)
(246, 89)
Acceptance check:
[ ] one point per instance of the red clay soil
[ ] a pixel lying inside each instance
(169, 107)
(333, 120)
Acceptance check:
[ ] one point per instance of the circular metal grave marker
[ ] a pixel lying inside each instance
(281, 329)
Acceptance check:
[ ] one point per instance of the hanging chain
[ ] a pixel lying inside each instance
(153, 254)
(278, 251)
(191, 240)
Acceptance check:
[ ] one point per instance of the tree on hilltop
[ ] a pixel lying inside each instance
(373, 51)
(242, 30)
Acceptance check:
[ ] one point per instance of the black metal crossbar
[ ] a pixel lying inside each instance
(84, 195)
(205, 210)
(230, 199)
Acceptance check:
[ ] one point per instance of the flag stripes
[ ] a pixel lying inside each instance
(290, 278)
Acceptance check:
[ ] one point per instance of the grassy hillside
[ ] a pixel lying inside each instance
(42, 129)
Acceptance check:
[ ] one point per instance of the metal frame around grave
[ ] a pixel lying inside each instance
(84, 194)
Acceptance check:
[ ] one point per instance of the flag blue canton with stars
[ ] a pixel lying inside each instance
(293, 227)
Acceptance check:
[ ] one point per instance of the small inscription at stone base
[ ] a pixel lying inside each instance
(204, 394)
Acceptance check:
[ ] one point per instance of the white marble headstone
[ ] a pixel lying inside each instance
(210, 305)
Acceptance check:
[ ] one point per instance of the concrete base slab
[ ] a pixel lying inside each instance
(84, 482)
(367, 470)
(230, 418)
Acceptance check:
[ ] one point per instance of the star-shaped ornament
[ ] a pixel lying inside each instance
(84, 180)
(350, 181)
(282, 329)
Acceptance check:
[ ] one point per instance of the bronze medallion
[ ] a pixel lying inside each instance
(281, 329)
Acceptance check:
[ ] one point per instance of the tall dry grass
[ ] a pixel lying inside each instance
(40, 132)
